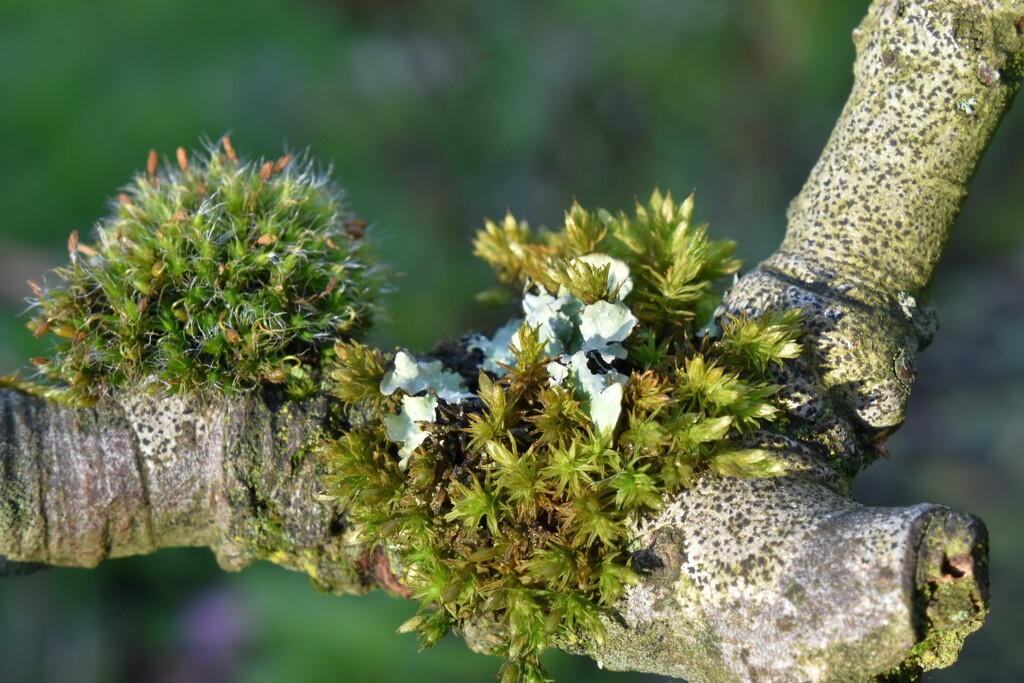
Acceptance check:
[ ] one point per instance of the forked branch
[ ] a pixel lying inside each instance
(780, 579)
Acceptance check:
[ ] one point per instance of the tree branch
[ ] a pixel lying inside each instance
(777, 579)
(933, 78)
(128, 477)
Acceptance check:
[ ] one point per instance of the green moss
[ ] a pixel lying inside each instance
(503, 476)
(505, 483)
(214, 273)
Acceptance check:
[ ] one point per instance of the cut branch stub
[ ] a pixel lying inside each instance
(786, 580)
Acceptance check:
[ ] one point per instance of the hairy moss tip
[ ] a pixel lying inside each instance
(212, 272)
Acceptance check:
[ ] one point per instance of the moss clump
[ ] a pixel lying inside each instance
(507, 494)
(211, 273)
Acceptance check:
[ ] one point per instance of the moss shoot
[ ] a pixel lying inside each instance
(505, 477)
(210, 273)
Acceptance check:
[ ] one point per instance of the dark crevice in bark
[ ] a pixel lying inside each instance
(40, 459)
(10, 568)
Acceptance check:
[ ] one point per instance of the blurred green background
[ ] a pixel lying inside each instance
(435, 114)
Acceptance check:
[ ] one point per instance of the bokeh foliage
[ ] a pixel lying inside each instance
(436, 114)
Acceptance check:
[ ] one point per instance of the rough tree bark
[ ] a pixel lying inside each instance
(779, 579)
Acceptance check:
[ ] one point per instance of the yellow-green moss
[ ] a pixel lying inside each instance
(505, 475)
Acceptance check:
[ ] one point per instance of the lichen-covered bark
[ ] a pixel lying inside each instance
(932, 80)
(789, 580)
(784, 579)
(875, 590)
(816, 582)
(127, 477)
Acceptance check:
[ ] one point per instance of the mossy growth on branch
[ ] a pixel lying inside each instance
(504, 479)
(210, 273)
(504, 475)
